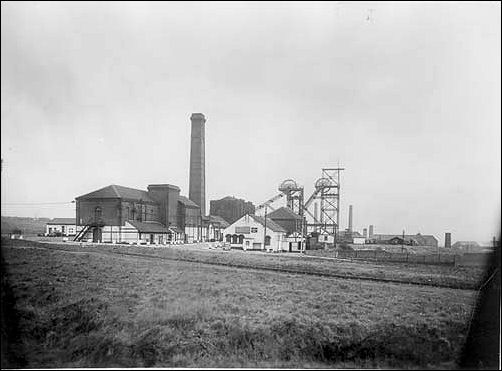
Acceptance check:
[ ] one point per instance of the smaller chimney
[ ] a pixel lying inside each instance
(365, 232)
(371, 231)
(350, 218)
(447, 240)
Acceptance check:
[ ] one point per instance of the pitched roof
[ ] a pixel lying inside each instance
(149, 227)
(284, 213)
(270, 223)
(116, 191)
(218, 219)
(187, 202)
(60, 221)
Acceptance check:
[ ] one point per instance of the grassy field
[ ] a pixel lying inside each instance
(449, 276)
(85, 308)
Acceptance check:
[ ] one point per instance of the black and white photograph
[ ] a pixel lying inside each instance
(250, 185)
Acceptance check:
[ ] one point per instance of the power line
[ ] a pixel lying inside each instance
(36, 203)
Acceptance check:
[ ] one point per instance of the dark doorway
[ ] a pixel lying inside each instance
(96, 235)
(151, 238)
(290, 246)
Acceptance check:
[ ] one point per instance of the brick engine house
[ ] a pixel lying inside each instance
(158, 215)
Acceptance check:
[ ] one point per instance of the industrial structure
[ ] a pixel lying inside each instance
(231, 208)
(404, 239)
(158, 215)
(197, 181)
(299, 212)
(162, 215)
(327, 195)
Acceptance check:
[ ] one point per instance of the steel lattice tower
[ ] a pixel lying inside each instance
(329, 197)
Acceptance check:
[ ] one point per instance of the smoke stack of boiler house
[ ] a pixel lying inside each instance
(197, 181)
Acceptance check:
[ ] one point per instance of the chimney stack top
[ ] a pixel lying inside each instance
(198, 116)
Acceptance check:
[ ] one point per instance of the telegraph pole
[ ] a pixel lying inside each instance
(265, 230)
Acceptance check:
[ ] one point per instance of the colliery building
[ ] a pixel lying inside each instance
(230, 208)
(411, 240)
(287, 219)
(159, 215)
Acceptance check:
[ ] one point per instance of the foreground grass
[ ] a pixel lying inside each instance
(89, 310)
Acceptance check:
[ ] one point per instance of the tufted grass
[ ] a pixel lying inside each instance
(91, 310)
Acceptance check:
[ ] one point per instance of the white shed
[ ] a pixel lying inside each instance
(248, 233)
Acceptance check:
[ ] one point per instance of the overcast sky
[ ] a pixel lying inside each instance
(405, 96)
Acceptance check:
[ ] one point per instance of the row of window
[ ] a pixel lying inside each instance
(239, 239)
(130, 214)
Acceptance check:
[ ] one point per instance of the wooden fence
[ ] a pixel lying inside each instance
(376, 255)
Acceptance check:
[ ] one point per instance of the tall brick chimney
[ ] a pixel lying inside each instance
(350, 218)
(197, 183)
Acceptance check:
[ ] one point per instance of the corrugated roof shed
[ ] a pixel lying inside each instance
(62, 221)
(270, 223)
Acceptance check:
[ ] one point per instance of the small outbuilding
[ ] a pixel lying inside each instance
(61, 227)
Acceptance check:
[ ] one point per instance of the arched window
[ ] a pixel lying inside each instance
(97, 213)
(228, 238)
(267, 240)
(241, 239)
(234, 239)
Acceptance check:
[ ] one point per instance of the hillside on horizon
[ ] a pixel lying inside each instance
(27, 225)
